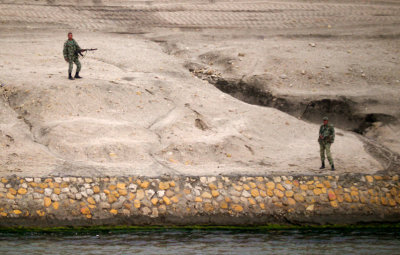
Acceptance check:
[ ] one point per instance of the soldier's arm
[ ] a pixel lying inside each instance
(320, 134)
(78, 48)
(332, 134)
(65, 51)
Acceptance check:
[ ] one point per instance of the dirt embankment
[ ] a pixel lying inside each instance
(353, 79)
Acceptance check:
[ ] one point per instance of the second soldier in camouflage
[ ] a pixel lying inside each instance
(325, 139)
(70, 52)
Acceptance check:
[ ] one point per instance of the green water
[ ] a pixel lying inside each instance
(203, 241)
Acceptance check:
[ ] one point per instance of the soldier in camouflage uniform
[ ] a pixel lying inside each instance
(70, 53)
(325, 139)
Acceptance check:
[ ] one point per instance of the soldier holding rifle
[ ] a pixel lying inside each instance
(70, 52)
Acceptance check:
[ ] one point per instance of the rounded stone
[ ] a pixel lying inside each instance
(310, 208)
(317, 191)
(287, 186)
(347, 198)
(121, 185)
(167, 201)
(104, 205)
(280, 187)
(12, 191)
(169, 193)
(123, 192)
(334, 204)
(132, 187)
(65, 190)
(238, 188)
(37, 196)
(154, 213)
(163, 185)
(150, 193)
(160, 193)
(145, 184)
(22, 191)
(206, 195)
(208, 207)
(278, 193)
(174, 199)
(154, 201)
(223, 205)
(291, 201)
(298, 197)
(214, 193)
(10, 196)
(89, 192)
(56, 205)
(255, 193)
(48, 192)
(212, 186)
(237, 208)
(140, 194)
(277, 179)
(246, 187)
(103, 197)
(252, 185)
(47, 201)
(289, 193)
(84, 194)
(331, 195)
(252, 201)
(54, 197)
(57, 191)
(91, 200)
(146, 210)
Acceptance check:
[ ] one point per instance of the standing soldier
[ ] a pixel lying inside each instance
(325, 139)
(71, 49)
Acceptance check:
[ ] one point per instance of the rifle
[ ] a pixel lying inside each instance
(83, 50)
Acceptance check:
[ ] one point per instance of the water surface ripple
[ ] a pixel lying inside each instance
(313, 241)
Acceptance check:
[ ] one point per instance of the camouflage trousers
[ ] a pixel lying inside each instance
(71, 64)
(325, 147)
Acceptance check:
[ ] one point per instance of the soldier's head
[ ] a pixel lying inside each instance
(69, 36)
(325, 119)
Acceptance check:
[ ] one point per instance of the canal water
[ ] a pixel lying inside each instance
(247, 242)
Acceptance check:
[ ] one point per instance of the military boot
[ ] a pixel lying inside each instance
(322, 165)
(70, 76)
(77, 75)
(333, 167)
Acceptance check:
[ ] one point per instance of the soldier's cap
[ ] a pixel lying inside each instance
(325, 118)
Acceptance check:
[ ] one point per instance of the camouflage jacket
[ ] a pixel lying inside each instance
(327, 132)
(70, 49)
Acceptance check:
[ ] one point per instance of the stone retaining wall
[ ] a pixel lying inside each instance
(220, 200)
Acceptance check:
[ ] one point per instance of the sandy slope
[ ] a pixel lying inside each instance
(356, 75)
(135, 112)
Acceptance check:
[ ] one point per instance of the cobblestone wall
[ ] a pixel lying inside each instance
(222, 200)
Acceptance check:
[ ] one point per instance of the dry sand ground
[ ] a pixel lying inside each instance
(139, 110)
